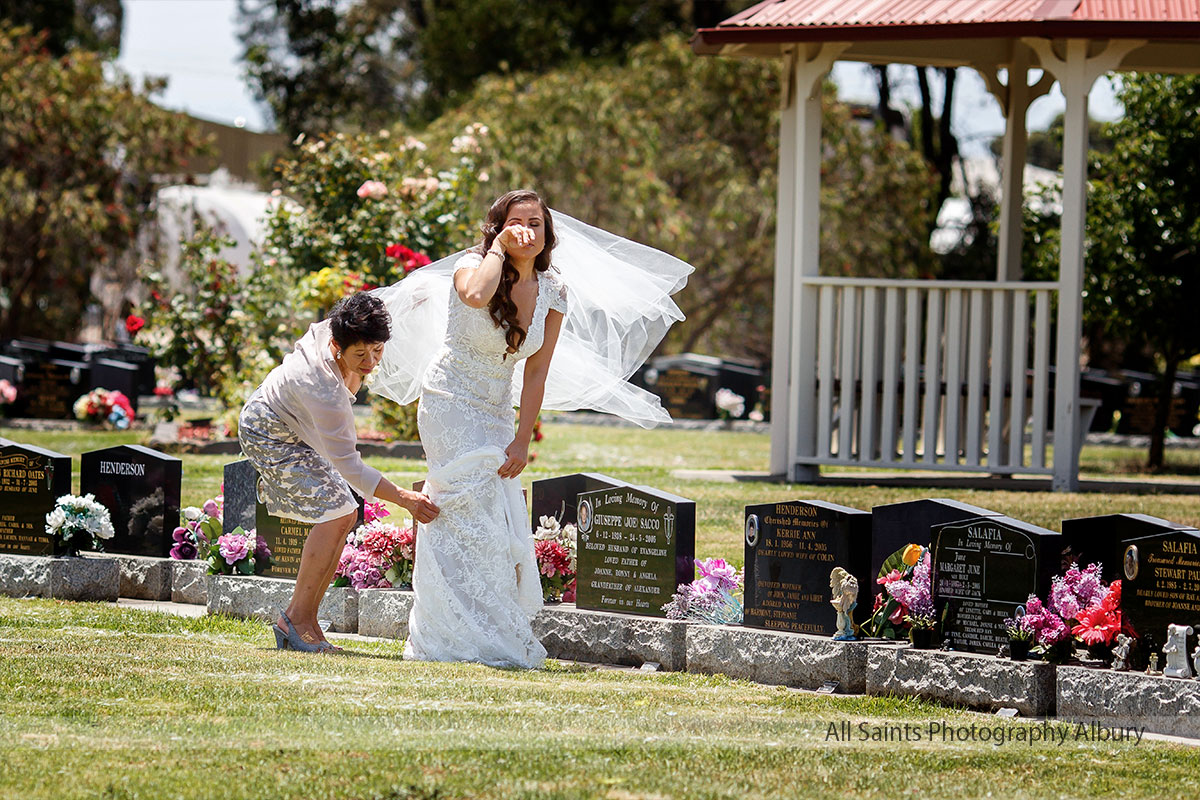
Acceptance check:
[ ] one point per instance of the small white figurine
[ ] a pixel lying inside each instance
(1196, 660)
(1121, 652)
(1176, 652)
(845, 598)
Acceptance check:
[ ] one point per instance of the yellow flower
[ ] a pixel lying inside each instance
(912, 554)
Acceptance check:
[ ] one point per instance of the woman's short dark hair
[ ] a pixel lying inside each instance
(361, 317)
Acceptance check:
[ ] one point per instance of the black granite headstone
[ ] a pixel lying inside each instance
(50, 389)
(1088, 540)
(983, 571)
(556, 497)
(636, 545)
(898, 524)
(116, 376)
(12, 370)
(791, 547)
(31, 481)
(140, 487)
(1160, 586)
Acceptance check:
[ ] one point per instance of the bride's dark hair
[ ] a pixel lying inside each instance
(501, 306)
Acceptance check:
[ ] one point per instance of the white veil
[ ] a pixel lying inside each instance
(619, 308)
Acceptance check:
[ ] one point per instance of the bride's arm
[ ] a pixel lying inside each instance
(537, 367)
(475, 287)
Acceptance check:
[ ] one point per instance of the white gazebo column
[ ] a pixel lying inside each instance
(797, 249)
(1076, 72)
(1014, 97)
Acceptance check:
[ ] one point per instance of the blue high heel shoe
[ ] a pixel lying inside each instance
(292, 639)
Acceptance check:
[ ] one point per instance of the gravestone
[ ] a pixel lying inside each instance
(241, 495)
(1160, 586)
(140, 488)
(984, 571)
(791, 547)
(117, 376)
(1089, 540)
(50, 389)
(898, 524)
(285, 538)
(12, 370)
(557, 497)
(31, 481)
(636, 545)
(139, 357)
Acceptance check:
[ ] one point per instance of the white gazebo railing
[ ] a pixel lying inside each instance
(949, 375)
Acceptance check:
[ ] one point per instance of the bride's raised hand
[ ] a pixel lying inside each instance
(518, 457)
(515, 236)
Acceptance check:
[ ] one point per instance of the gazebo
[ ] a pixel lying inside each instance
(940, 375)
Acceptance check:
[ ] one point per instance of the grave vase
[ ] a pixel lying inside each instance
(1100, 652)
(1018, 649)
(921, 638)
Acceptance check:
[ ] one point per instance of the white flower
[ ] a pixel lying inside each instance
(730, 402)
(757, 416)
(466, 143)
(191, 513)
(484, 177)
(412, 143)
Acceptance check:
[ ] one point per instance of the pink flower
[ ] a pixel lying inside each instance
(8, 392)
(553, 559)
(374, 511)
(717, 575)
(233, 547)
(211, 508)
(374, 190)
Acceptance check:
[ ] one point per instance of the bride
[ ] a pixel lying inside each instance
(461, 326)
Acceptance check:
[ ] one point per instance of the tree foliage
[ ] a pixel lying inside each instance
(319, 65)
(69, 24)
(79, 156)
(681, 153)
(323, 65)
(1142, 280)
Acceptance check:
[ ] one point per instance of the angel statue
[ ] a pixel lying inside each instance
(845, 598)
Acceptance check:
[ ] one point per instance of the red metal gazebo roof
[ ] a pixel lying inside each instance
(767, 25)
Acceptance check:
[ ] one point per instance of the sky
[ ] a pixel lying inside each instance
(194, 44)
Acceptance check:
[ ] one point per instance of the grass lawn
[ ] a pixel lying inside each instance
(118, 703)
(650, 457)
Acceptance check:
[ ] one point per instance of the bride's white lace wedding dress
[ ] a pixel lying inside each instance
(476, 580)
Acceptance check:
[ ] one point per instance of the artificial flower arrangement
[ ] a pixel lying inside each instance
(197, 528)
(555, 546)
(8, 394)
(377, 554)
(103, 406)
(904, 607)
(78, 523)
(238, 552)
(730, 404)
(714, 597)
(1080, 606)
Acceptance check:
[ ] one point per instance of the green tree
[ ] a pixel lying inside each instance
(79, 160)
(1142, 279)
(319, 65)
(681, 153)
(69, 24)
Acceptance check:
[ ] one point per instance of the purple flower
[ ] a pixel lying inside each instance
(1063, 600)
(233, 547)
(211, 508)
(260, 548)
(916, 594)
(184, 548)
